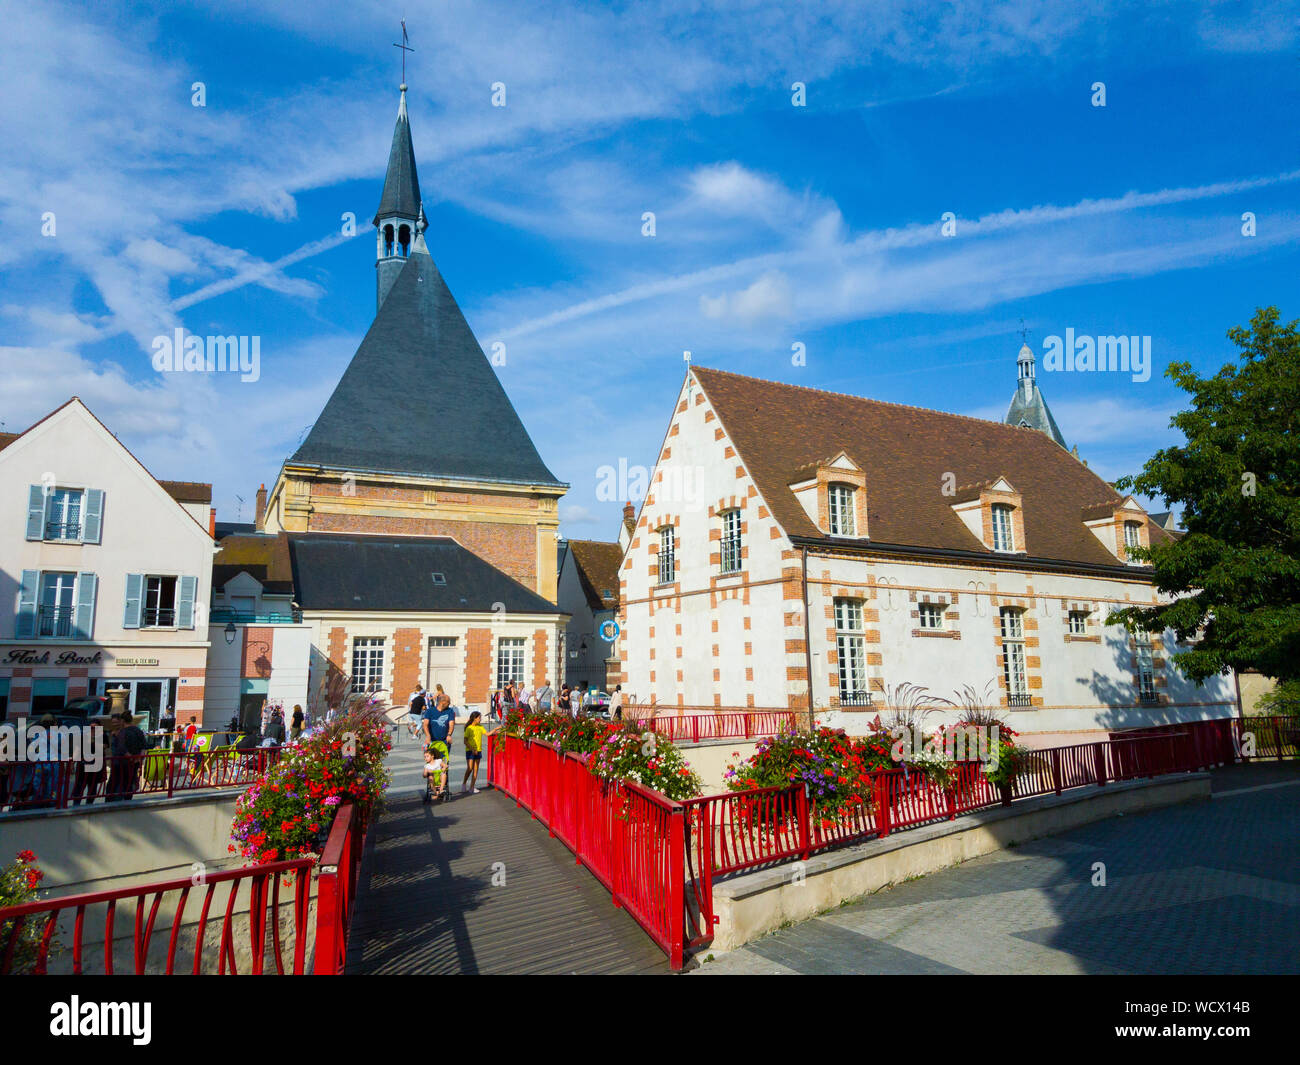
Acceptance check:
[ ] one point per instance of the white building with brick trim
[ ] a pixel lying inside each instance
(105, 572)
(868, 545)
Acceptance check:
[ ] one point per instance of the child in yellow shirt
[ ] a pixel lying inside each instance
(473, 738)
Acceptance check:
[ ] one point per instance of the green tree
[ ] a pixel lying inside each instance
(1236, 571)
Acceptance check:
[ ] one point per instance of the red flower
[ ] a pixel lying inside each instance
(26, 857)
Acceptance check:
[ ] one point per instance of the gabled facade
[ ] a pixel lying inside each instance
(840, 547)
(104, 574)
(588, 588)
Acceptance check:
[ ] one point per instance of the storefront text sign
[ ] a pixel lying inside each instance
(32, 656)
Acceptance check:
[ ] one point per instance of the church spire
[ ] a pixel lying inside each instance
(1028, 407)
(399, 206)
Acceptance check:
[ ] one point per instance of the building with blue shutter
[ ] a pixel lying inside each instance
(105, 573)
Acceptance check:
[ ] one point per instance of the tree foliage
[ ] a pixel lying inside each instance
(1235, 572)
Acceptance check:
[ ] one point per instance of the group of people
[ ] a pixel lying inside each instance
(432, 717)
(113, 775)
(570, 700)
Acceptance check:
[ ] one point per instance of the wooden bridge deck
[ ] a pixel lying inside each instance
(426, 902)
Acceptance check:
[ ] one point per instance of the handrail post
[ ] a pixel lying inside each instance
(1056, 769)
(676, 886)
(1099, 762)
(881, 788)
(803, 813)
(327, 919)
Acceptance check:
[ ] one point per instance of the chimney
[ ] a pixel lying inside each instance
(212, 522)
(629, 518)
(259, 516)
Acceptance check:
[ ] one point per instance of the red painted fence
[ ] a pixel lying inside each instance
(660, 858)
(59, 785)
(266, 942)
(692, 728)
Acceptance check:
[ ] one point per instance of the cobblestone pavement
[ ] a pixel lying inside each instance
(1207, 887)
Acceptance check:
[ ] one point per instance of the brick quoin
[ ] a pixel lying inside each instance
(408, 651)
(478, 665)
(539, 657)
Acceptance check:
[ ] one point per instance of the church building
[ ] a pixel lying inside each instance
(421, 552)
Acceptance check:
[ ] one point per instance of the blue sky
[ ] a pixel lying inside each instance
(775, 224)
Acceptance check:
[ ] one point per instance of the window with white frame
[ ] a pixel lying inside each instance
(730, 541)
(931, 616)
(1003, 537)
(851, 650)
(1145, 669)
(510, 661)
(367, 663)
(1013, 656)
(58, 599)
(159, 610)
(843, 520)
(667, 555)
(1132, 538)
(1078, 623)
(63, 515)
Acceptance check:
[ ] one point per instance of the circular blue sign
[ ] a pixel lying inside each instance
(609, 631)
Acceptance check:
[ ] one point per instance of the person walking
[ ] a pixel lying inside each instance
(438, 724)
(545, 694)
(296, 729)
(92, 772)
(274, 731)
(129, 743)
(474, 733)
(564, 703)
(616, 703)
(415, 708)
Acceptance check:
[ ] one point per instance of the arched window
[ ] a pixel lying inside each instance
(388, 240)
(404, 240)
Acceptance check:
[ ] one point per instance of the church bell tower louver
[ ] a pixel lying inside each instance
(398, 218)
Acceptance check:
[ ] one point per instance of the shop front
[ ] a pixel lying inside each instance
(37, 680)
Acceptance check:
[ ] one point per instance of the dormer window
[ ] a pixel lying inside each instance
(1003, 537)
(842, 518)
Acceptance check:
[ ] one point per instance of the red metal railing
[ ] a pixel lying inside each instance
(63, 784)
(693, 728)
(336, 889)
(630, 838)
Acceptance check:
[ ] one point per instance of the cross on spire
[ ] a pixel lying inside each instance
(1024, 332)
(405, 47)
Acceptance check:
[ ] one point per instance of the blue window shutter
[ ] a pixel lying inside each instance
(185, 603)
(134, 600)
(93, 518)
(83, 623)
(36, 512)
(26, 623)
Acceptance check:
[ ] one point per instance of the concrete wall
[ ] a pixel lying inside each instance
(753, 904)
(110, 845)
(710, 760)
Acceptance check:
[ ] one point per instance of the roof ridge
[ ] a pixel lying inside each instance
(867, 399)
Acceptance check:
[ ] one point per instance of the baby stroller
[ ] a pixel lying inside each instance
(437, 772)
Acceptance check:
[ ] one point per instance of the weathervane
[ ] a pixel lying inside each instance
(1024, 333)
(405, 47)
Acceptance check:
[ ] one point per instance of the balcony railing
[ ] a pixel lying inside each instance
(156, 617)
(63, 530)
(222, 615)
(1019, 700)
(855, 698)
(55, 622)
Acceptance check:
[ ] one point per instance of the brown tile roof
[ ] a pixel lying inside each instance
(7, 438)
(907, 454)
(188, 491)
(598, 564)
(263, 557)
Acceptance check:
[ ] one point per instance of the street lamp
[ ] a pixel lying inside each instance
(230, 632)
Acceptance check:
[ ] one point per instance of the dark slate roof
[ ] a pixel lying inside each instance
(333, 571)
(907, 453)
(401, 183)
(1034, 413)
(420, 397)
(188, 491)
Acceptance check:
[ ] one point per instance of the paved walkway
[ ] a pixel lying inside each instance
(427, 901)
(1210, 887)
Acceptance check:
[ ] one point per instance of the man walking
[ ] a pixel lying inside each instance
(544, 696)
(415, 708)
(439, 722)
